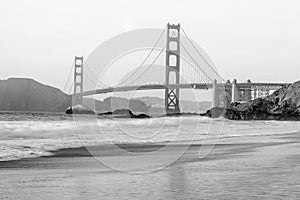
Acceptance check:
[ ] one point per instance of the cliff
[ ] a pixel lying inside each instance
(21, 94)
(283, 104)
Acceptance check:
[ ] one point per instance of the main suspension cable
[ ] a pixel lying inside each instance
(146, 58)
(195, 62)
(201, 55)
(97, 81)
(69, 76)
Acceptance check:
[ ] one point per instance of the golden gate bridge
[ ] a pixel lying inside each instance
(199, 74)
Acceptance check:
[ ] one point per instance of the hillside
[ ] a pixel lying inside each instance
(21, 94)
(114, 103)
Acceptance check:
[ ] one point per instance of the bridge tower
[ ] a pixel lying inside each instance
(78, 78)
(248, 93)
(172, 69)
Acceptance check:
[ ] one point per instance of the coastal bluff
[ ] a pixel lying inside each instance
(283, 104)
(23, 94)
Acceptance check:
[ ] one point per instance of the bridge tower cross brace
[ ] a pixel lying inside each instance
(78, 78)
(172, 67)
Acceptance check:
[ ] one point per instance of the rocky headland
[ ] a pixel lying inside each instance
(283, 104)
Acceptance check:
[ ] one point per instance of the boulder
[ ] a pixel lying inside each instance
(123, 113)
(79, 109)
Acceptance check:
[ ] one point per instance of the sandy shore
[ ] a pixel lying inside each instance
(237, 168)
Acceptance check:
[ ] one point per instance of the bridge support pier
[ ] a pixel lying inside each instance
(220, 98)
(248, 96)
(215, 95)
(235, 94)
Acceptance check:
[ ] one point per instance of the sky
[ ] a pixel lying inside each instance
(246, 39)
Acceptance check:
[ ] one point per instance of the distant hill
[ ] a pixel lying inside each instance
(185, 105)
(153, 106)
(114, 103)
(22, 94)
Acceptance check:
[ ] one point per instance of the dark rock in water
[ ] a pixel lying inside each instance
(69, 111)
(180, 114)
(215, 112)
(123, 113)
(141, 116)
(283, 104)
(79, 109)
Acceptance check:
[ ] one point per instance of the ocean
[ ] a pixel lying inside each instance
(41, 156)
(25, 134)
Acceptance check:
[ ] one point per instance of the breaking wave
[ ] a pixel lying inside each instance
(26, 135)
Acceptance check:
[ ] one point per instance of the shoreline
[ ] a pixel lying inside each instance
(230, 145)
(82, 151)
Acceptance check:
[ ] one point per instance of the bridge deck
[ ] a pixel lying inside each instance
(203, 86)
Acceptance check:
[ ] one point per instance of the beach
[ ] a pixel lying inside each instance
(256, 167)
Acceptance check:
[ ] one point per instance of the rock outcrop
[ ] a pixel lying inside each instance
(123, 113)
(79, 109)
(283, 104)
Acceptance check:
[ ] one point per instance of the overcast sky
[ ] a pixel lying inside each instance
(257, 39)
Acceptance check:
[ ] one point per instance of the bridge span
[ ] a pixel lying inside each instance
(202, 86)
(234, 91)
(222, 92)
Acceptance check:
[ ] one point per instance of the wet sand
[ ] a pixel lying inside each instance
(262, 167)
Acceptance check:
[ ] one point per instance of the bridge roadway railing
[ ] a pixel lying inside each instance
(269, 86)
